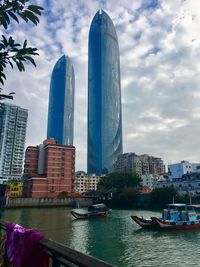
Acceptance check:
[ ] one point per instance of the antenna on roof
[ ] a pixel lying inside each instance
(100, 11)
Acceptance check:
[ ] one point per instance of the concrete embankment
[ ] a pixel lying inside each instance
(44, 202)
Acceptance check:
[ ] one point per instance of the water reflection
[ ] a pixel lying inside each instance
(80, 235)
(116, 239)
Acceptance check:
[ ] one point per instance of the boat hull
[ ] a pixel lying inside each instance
(179, 225)
(144, 223)
(89, 215)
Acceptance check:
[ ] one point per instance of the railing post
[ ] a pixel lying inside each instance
(3, 255)
(55, 262)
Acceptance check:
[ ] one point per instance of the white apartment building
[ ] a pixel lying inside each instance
(177, 170)
(190, 183)
(84, 182)
(13, 123)
(149, 180)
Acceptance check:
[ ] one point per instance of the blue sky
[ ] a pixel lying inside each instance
(159, 52)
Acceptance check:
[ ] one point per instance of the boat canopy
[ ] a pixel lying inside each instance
(97, 207)
(176, 205)
(194, 206)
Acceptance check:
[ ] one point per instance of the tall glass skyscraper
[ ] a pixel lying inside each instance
(104, 96)
(61, 102)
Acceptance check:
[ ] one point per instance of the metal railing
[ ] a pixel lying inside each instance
(59, 255)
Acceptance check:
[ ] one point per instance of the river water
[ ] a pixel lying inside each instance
(116, 239)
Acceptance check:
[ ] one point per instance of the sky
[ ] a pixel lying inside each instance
(159, 42)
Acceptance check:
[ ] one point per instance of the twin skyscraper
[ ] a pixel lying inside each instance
(104, 137)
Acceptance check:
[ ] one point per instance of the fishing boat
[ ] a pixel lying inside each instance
(177, 216)
(145, 223)
(94, 211)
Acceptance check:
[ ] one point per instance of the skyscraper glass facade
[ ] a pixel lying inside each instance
(104, 96)
(61, 102)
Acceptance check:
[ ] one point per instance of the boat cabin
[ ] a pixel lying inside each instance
(97, 208)
(179, 212)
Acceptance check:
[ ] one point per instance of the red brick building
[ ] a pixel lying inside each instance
(49, 169)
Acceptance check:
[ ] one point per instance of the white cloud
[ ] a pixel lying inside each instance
(159, 53)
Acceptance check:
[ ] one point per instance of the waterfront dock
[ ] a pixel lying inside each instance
(7, 202)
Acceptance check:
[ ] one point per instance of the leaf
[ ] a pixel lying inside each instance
(19, 66)
(16, 45)
(30, 59)
(3, 22)
(35, 9)
(11, 41)
(4, 41)
(25, 44)
(23, 17)
(6, 96)
(22, 1)
(15, 50)
(12, 15)
(10, 64)
(31, 51)
(30, 15)
(1, 80)
(5, 16)
(3, 75)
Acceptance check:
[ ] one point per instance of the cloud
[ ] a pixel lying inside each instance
(159, 51)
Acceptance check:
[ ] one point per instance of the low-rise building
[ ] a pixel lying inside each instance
(49, 170)
(177, 170)
(188, 183)
(149, 180)
(15, 188)
(84, 182)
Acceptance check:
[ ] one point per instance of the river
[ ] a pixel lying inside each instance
(116, 239)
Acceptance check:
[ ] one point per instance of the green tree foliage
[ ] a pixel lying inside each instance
(160, 197)
(125, 188)
(119, 180)
(11, 52)
(126, 197)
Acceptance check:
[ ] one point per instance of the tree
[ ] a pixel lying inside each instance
(11, 52)
(160, 197)
(126, 197)
(125, 187)
(120, 180)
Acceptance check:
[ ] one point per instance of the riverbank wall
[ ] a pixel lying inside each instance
(8, 203)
